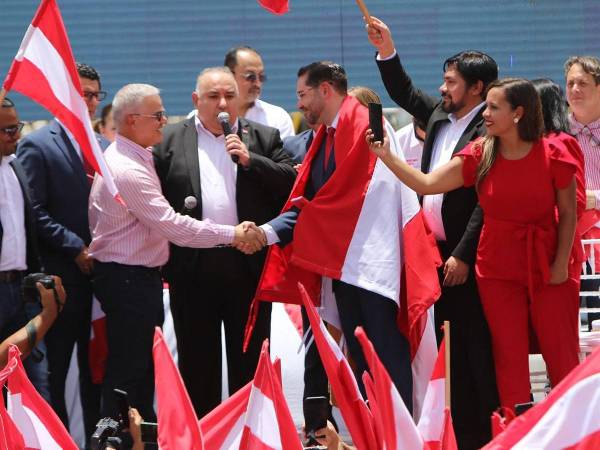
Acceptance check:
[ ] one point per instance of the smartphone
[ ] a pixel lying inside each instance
(376, 120)
(316, 412)
(123, 405)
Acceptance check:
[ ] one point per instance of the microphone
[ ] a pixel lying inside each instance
(223, 119)
(189, 203)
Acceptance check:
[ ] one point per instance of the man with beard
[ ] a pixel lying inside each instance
(455, 219)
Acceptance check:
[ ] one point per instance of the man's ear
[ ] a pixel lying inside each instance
(476, 89)
(194, 98)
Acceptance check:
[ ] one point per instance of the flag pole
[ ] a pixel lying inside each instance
(447, 360)
(2, 94)
(364, 11)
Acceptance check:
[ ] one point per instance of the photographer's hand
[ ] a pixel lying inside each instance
(135, 419)
(53, 300)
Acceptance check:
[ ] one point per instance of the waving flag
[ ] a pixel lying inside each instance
(34, 419)
(178, 426)
(569, 418)
(10, 437)
(275, 6)
(356, 415)
(44, 70)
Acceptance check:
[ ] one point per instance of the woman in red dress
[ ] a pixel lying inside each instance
(525, 271)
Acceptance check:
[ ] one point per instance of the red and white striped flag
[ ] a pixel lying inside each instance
(44, 70)
(268, 423)
(178, 426)
(36, 422)
(275, 6)
(569, 418)
(354, 411)
(435, 424)
(98, 346)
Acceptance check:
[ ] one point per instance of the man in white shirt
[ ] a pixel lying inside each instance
(410, 140)
(455, 219)
(248, 69)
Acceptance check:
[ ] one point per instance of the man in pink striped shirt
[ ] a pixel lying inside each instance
(583, 94)
(130, 242)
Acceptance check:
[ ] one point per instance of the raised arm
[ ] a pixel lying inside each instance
(444, 179)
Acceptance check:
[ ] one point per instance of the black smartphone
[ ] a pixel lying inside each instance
(149, 432)
(376, 120)
(123, 405)
(316, 412)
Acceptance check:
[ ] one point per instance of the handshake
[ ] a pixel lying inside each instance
(249, 238)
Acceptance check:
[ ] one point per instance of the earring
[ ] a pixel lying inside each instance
(516, 120)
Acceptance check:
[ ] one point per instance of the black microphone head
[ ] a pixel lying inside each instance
(190, 202)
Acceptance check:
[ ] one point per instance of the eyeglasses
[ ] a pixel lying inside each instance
(13, 129)
(159, 116)
(301, 94)
(252, 77)
(89, 95)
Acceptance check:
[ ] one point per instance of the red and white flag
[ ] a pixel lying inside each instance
(395, 426)
(222, 427)
(10, 436)
(36, 422)
(178, 426)
(275, 6)
(44, 70)
(354, 411)
(98, 346)
(569, 418)
(435, 424)
(268, 422)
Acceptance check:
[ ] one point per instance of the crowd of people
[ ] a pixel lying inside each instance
(226, 210)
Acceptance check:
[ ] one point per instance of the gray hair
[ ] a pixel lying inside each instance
(128, 98)
(214, 70)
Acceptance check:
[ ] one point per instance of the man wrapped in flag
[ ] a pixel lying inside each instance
(332, 228)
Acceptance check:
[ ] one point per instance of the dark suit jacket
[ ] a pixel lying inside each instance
(461, 216)
(33, 259)
(297, 146)
(60, 192)
(261, 189)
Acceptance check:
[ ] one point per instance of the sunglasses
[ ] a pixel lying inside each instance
(252, 77)
(100, 95)
(159, 116)
(13, 129)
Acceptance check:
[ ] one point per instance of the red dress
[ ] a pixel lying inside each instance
(516, 250)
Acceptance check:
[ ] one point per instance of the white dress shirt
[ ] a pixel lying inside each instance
(218, 177)
(271, 115)
(446, 139)
(411, 147)
(13, 254)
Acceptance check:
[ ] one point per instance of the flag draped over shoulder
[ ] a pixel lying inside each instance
(275, 6)
(178, 426)
(569, 418)
(28, 422)
(44, 70)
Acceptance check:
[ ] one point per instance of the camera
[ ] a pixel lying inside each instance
(29, 289)
(316, 411)
(106, 430)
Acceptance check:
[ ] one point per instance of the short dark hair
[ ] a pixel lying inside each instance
(231, 55)
(7, 103)
(474, 66)
(325, 71)
(554, 106)
(87, 71)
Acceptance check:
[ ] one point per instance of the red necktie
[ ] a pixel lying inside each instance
(328, 146)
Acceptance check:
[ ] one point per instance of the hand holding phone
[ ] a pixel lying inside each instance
(376, 120)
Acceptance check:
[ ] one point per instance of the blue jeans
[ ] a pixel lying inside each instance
(14, 314)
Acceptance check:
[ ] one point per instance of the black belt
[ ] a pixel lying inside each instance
(10, 276)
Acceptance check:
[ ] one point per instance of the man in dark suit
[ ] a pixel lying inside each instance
(211, 286)
(18, 243)
(297, 146)
(455, 219)
(60, 186)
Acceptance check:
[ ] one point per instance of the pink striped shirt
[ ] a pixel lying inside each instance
(588, 137)
(139, 233)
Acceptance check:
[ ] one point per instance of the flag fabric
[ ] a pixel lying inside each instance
(98, 346)
(568, 418)
(178, 426)
(435, 424)
(10, 437)
(222, 427)
(44, 70)
(275, 6)
(394, 424)
(36, 422)
(354, 411)
(268, 422)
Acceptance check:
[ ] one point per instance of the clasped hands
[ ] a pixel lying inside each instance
(249, 238)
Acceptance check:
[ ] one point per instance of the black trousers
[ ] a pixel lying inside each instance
(220, 292)
(131, 297)
(73, 326)
(473, 387)
(377, 315)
